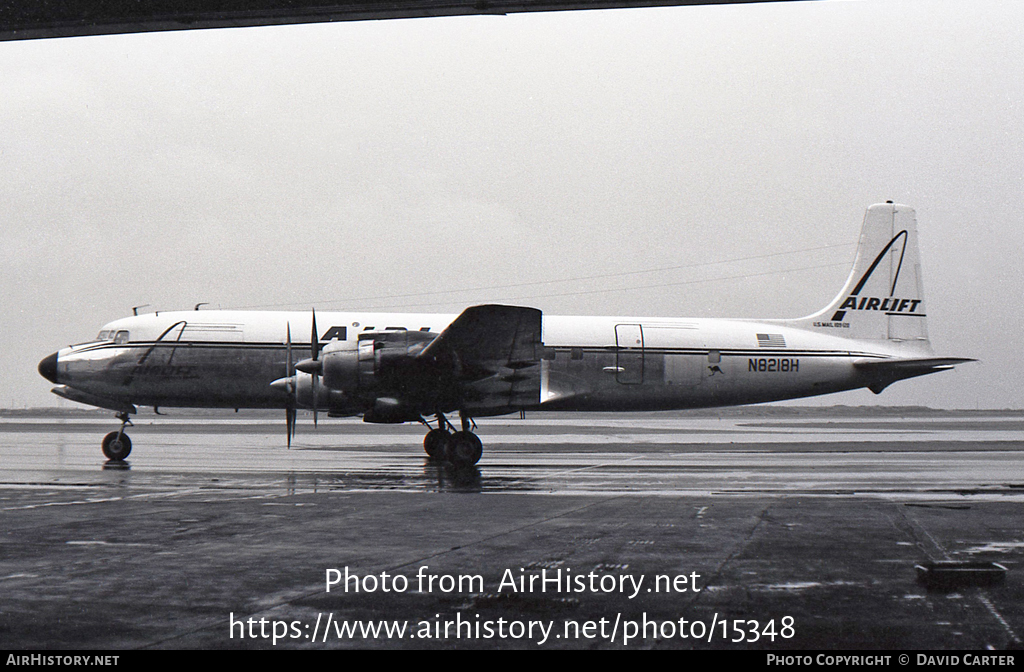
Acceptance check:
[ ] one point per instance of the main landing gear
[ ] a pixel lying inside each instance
(117, 445)
(461, 448)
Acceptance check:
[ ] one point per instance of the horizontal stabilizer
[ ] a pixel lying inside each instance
(885, 372)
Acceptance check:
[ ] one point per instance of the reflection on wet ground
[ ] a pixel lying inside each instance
(651, 456)
(819, 522)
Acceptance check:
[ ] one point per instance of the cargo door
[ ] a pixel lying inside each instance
(629, 342)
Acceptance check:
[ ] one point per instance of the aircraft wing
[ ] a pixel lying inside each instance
(491, 357)
(888, 371)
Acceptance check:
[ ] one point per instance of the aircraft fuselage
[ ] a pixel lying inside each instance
(228, 359)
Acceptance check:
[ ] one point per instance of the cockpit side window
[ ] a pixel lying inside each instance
(121, 337)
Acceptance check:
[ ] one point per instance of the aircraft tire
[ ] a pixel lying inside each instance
(464, 449)
(117, 450)
(435, 443)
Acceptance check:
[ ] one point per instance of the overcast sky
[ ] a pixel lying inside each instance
(693, 161)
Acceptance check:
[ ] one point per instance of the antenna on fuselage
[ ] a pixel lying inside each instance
(135, 309)
(204, 303)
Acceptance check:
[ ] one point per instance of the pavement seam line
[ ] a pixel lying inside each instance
(982, 594)
(740, 547)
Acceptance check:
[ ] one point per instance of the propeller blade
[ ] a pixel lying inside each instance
(314, 341)
(288, 366)
(289, 412)
(314, 338)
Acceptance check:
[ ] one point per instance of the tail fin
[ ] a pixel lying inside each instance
(883, 298)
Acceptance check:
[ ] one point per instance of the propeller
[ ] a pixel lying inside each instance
(290, 384)
(290, 374)
(314, 346)
(313, 366)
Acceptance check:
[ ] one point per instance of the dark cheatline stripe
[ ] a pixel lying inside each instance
(652, 351)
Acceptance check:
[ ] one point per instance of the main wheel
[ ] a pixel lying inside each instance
(117, 449)
(434, 443)
(464, 449)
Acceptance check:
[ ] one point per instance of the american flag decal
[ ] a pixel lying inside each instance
(771, 341)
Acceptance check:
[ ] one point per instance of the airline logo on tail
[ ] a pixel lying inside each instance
(890, 305)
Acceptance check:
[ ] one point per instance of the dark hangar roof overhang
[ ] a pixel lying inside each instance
(35, 19)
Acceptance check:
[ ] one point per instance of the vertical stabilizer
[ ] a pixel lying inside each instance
(883, 298)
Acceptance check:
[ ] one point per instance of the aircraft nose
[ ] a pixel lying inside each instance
(48, 368)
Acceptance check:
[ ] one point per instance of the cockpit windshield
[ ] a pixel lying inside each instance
(113, 335)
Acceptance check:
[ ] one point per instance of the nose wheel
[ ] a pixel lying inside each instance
(117, 445)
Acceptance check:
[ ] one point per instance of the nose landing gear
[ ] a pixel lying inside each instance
(117, 445)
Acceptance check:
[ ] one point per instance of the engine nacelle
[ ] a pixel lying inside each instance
(341, 365)
(304, 392)
(360, 368)
(306, 395)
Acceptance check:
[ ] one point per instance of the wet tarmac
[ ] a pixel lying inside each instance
(214, 535)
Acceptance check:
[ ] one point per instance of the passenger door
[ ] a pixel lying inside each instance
(629, 342)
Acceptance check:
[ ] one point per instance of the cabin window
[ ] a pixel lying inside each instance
(548, 354)
(121, 337)
(714, 357)
(576, 353)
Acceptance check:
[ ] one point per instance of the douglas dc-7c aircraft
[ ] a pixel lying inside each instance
(492, 359)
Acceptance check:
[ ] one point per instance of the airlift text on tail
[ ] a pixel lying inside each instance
(494, 359)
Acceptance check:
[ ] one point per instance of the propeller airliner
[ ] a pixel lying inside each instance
(496, 359)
